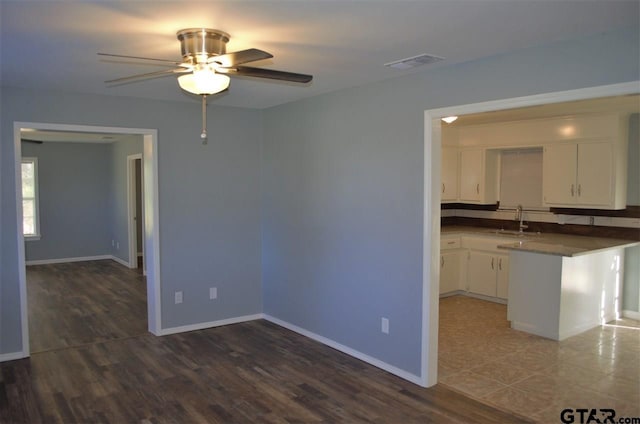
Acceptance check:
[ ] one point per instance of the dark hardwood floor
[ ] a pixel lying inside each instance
(72, 304)
(254, 372)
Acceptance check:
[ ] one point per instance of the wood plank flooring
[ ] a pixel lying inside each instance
(242, 373)
(72, 304)
(253, 372)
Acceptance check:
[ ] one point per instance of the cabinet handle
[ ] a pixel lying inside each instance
(572, 190)
(579, 189)
(443, 187)
(441, 261)
(492, 259)
(500, 264)
(478, 188)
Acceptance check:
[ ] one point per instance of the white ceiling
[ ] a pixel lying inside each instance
(623, 105)
(53, 44)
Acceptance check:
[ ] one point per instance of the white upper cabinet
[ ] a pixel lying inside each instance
(449, 188)
(584, 159)
(581, 175)
(478, 176)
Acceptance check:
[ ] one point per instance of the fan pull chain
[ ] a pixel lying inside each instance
(203, 136)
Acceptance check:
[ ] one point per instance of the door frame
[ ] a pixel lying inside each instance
(431, 198)
(132, 213)
(150, 201)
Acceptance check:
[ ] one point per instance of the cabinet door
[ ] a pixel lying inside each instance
(502, 287)
(595, 173)
(559, 166)
(471, 173)
(449, 174)
(449, 271)
(481, 273)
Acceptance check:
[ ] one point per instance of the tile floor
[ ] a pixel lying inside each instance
(480, 356)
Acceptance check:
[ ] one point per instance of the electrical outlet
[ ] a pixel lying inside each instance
(385, 325)
(178, 297)
(118, 245)
(213, 293)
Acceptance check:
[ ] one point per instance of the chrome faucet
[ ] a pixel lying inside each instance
(520, 217)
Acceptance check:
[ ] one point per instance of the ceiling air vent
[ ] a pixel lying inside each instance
(412, 62)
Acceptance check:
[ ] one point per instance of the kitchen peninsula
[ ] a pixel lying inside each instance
(555, 285)
(560, 286)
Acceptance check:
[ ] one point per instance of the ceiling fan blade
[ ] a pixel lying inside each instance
(247, 71)
(139, 58)
(156, 74)
(242, 56)
(27, 140)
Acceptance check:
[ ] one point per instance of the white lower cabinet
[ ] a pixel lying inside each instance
(474, 264)
(450, 264)
(502, 288)
(481, 269)
(449, 271)
(488, 274)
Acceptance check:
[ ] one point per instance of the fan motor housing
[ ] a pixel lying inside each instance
(196, 42)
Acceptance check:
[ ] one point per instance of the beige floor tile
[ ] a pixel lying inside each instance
(576, 375)
(548, 385)
(521, 402)
(533, 376)
(502, 372)
(472, 384)
(625, 389)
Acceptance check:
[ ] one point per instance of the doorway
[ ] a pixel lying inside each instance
(135, 212)
(149, 170)
(431, 197)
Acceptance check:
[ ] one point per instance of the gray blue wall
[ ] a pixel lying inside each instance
(119, 195)
(343, 184)
(83, 199)
(208, 195)
(74, 190)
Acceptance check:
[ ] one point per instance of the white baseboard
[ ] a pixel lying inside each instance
(77, 259)
(4, 357)
(483, 297)
(211, 324)
(349, 351)
(120, 261)
(631, 314)
(65, 260)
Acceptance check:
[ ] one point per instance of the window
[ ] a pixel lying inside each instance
(521, 179)
(30, 217)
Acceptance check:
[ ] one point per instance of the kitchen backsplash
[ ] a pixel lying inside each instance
(623, 224)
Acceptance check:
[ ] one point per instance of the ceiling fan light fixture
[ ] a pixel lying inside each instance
(203, 82)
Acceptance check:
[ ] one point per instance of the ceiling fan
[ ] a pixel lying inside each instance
(206, 66)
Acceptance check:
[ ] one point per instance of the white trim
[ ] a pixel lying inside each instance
(631, 314)
(211, 324)
(66, 260)
(132, 230)
(431, 211)
(77, 259)
(345, 349)
(4, 357)
(120, 261)
(152, 229)
(22, 272)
